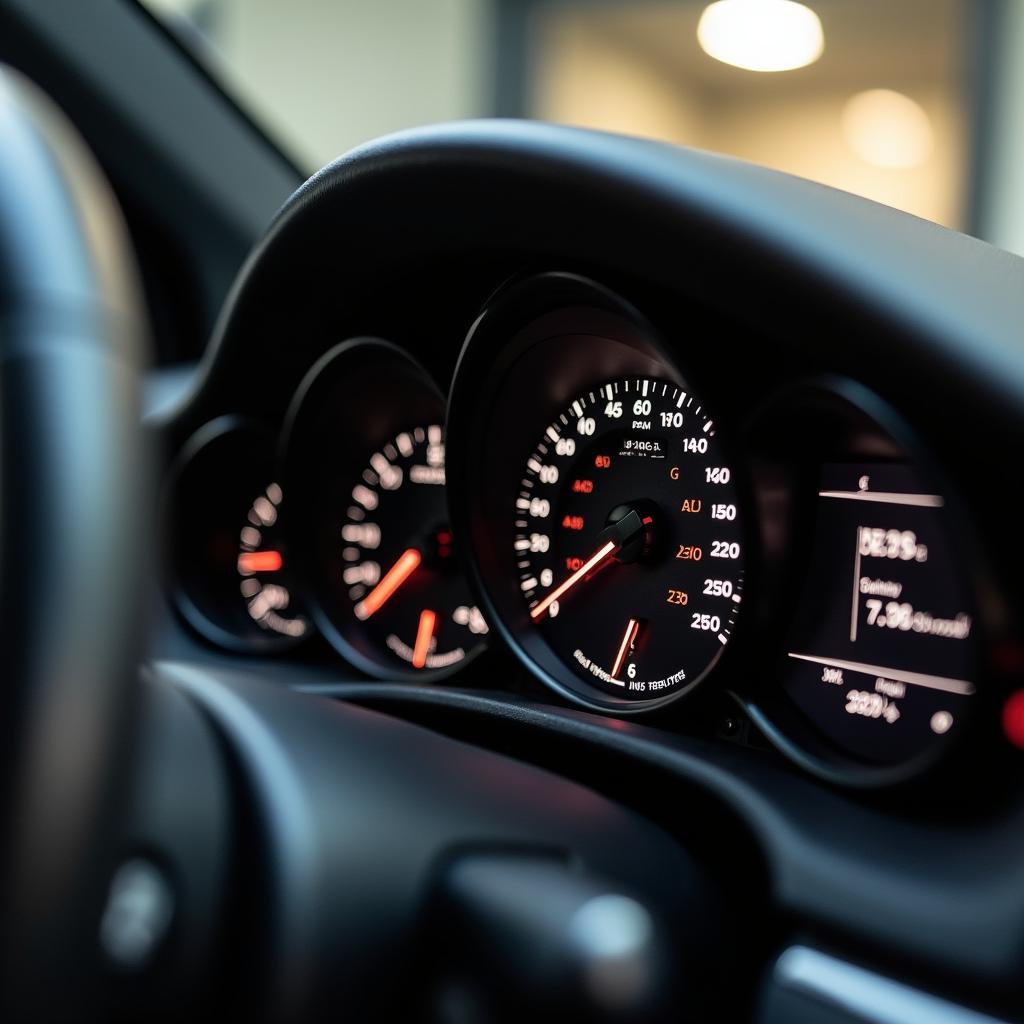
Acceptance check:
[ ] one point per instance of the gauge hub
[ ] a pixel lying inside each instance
(635, 528)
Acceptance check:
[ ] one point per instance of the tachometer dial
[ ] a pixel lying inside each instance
(405, 591)
(365, 464)
(627, 538)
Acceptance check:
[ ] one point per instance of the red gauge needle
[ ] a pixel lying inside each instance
(424, 633)
(622, 533)
(259, 561)
(632, 628)
(598, 558)
(406, 565)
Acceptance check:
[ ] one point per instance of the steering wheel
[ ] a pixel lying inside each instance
(72, 481)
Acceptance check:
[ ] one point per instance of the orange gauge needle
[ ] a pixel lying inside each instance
(599, 557)
(632, 628)
(259, 561)
(423, 636)
(406, 565)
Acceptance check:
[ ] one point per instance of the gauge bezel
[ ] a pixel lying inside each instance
(372, 416)
(218, 431)
(836, 404)
(512, 329)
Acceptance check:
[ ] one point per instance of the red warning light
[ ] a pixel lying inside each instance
(1013, 718)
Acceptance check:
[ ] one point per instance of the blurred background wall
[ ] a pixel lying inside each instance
(918, 104)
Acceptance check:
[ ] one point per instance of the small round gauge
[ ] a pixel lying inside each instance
(228, 558)
(366, 461)
(627, 537)
(268, 596)
(602, 506)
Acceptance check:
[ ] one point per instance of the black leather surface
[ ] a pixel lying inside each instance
(72, 480)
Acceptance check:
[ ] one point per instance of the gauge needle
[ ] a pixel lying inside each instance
(406, 565)
(424, 633)
(616, 536)
(259, 561)
(598, 558)
(632, 628)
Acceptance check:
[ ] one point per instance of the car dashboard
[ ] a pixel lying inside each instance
(688, 479)
(854, 650)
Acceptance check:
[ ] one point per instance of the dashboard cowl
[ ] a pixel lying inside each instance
(718, 227)
(927, 317)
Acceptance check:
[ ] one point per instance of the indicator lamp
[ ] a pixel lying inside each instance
(1013, 718)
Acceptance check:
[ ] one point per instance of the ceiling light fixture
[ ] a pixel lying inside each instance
(885, 128)
(761, 35)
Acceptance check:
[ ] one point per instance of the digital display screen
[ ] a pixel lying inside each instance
(880, 654)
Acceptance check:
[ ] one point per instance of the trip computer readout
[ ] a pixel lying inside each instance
(880, 654)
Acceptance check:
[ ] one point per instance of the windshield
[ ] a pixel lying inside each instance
(912, 104)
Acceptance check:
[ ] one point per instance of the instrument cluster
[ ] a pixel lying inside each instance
(582, 500)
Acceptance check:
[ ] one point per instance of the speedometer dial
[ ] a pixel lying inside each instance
(596, 488)
(627, 538)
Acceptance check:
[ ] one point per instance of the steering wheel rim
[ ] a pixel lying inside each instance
(72, 488)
